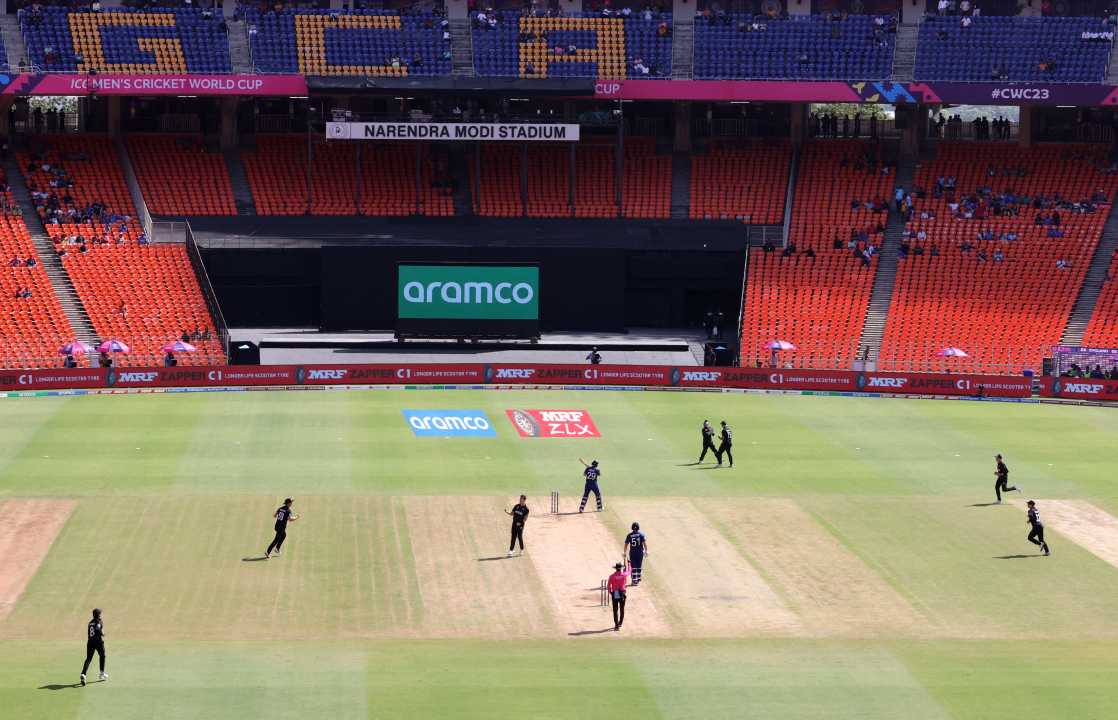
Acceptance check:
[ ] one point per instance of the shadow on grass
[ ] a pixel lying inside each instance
(579, 633)
(254, 559)
(1015, 557)
(496, 557)
(68, 687)
(989, 504)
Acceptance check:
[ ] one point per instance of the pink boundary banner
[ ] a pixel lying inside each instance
(521, 374)
(144, 84)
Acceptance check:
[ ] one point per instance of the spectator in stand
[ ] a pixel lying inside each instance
(69, 361)
(1061, 264)
(31, 262)
(185, 337)
(14, 262)
(1097, 373)
(169, 360)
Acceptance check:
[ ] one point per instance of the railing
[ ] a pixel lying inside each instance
(208, 293)
(133, 187)
(164, 231)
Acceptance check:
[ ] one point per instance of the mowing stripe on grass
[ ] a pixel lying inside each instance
(713, 591)
(27, 532)
(1084, 524)
(834, 592)
(470, 587)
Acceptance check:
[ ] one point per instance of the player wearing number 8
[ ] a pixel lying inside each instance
(283, 516)
(94, 643)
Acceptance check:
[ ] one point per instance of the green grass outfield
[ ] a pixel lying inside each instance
(380, 608)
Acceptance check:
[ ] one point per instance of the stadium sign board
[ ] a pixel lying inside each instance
(468, 292)
(450, 132)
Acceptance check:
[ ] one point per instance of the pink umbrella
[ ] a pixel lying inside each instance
(113, 346)
(779, 345)
(951, 352)
(178, 346)
(75, 347)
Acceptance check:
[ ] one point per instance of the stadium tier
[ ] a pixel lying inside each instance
(1102, 329)
(511, 45)
(178, 177)
(1017, 49)
(809, 47)
(818, 304)
(159, 40)
(145, 295)
(277, 174)
(741, 181)
(996, 264)
(32, 324)
(354, 42)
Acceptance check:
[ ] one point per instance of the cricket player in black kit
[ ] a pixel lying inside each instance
(591, 473)
(283, 516)
(708, 441)
(637, 547)
(726, 444)
(1036, 533)
(519, 517)
(1002, 475)
(94, 643)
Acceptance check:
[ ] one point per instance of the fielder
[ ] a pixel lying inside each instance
(708, 441)
(637, 547)
(1001, 472)
(1036, 533)
(94, 643)
(591, 474)
(519, 517)
(283, 515)
(725, 447)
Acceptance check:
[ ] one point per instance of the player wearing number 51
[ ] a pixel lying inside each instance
(283, 515)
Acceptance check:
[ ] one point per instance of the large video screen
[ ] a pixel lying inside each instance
(467, 300)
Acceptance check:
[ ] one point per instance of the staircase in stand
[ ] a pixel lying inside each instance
(904, 53)
(52, 264)
(681, 186)
(461, 48)
(683, 49)
(242, 192)
(240, 54)
(13, 41)
(1092, 284)
(873, 327)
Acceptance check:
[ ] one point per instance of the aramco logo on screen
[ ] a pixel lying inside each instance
(468, 292)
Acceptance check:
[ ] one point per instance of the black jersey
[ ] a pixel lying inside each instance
(283, 514)
(519, 514)
(1034, 517)
(592, 473)
(94, 632)
(1003, 471)
(635, 542)
(727, 435)
(708, 432)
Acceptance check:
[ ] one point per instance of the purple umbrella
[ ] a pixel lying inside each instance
(779, 345)
(113, 346)
(178, 346)
(75, 347)
(951, 352)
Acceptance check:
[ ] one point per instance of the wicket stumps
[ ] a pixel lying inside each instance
(554, 502)
(605, 593)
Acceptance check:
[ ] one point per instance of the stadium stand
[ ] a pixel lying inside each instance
(818, 304)
(743, 181)
(145, 295)
(159, 40)
(32, 327)
(647, 180)
(803, 47)
(277, 175)
(178, 177)
(586, 45)
(1102, 329)
(350, 42)
(496, 193)
(1015, 49)
(1005, 313)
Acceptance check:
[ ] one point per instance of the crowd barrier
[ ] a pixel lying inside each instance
(897, 383)
(1079, 388)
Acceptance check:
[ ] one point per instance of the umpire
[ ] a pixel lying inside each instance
(724, 447)
(94, 643)
(708, 441)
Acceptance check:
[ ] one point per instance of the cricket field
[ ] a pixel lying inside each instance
(851, 564)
